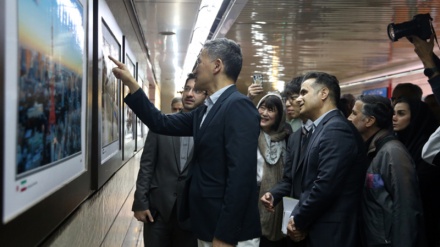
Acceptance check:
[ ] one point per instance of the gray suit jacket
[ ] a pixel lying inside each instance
(160, 182)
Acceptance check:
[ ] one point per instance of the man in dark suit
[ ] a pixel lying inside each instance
(290, 185)
(221, 185)
(164, 167)
(334, 167)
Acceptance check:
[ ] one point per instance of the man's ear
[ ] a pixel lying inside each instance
(370, 121)
(324, 93)
(218, 65)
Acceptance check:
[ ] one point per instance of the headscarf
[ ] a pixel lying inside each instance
(272, 147)
(416, 134)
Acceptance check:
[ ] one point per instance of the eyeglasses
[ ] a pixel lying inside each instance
(196, 91)
(290, 98)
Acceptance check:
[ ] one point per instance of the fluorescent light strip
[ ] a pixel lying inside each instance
(382, 78)
(207, 13)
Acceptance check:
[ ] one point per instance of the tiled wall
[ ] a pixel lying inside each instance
(104, 218)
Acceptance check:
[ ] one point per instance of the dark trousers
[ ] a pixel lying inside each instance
(167, 234)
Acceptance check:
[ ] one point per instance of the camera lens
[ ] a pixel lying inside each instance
(391, 34)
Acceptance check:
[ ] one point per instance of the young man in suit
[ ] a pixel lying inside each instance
(290, 185)
(334, 167)
(221, 186)
(164, 167)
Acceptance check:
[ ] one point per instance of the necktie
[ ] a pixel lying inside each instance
(306, 137)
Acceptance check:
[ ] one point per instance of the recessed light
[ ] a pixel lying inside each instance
(167, 33)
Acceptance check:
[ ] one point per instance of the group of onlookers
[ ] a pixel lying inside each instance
(363, 170)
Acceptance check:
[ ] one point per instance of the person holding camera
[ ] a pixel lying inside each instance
(424, 50)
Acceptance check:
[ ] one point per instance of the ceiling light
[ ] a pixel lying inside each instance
(167, 33)
(205, 18)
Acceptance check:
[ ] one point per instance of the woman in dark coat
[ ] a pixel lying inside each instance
(413, 123)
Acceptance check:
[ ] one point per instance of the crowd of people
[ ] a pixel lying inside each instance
(364, 170)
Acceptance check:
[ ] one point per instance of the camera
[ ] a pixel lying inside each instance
(420, 26)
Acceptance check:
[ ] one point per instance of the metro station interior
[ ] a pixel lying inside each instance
(81, 194)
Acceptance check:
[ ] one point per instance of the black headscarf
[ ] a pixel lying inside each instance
(416, 134)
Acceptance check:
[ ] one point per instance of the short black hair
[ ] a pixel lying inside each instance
(292, 87)
(378, 107)
(408, 90)
(190, 76)
(329, 81)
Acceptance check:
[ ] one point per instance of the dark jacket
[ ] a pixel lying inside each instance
(333, 173)
(160, 182)
(391, 205)
(221, 186)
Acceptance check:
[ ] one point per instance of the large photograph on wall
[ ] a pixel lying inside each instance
(45, 82)
(110, 96)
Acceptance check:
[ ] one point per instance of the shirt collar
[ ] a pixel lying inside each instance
(308, 125)
(210, 100)
(317, 121)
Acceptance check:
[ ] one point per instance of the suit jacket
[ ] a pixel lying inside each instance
(333, 176)
(221, 185)
(160, 182)
(290, 185)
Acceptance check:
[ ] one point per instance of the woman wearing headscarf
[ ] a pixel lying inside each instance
(413, 123)
(270, 165)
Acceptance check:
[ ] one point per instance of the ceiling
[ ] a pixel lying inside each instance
(286, 38)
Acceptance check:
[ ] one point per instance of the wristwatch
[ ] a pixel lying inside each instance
(430, 71)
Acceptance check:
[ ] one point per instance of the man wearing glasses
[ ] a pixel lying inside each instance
(163, 169)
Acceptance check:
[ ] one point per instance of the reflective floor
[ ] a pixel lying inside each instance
(134, 237)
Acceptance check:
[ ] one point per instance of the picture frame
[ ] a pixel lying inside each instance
(110, 94)
(44, 114)
(128, 116)
(106, 138)
(141, 128)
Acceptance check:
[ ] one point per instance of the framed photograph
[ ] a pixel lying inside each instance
(110, 95)
(129, 118)
(44, 67)
(107, 132)
(44, 99)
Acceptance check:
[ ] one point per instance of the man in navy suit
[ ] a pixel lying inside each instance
(334, 167)
(221, 186)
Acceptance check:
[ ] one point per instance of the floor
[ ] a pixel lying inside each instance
(134, 237)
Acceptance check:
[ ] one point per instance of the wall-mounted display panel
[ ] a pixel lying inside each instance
(44, 68)
(110, 103)
(45, 84)
(107, 127)
(129, 118)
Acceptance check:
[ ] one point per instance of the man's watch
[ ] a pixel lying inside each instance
(430, 71)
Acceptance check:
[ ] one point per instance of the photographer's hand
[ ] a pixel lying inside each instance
(254, 90)
(424, 49)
